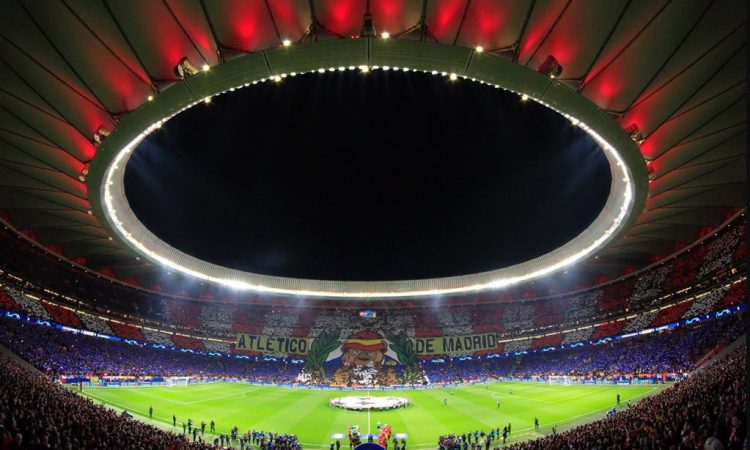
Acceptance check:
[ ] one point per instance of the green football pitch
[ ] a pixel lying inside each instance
(307, 413)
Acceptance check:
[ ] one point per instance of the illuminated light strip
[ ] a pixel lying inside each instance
(124, 221)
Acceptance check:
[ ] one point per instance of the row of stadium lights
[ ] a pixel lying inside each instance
(188, 69)
(184, 69)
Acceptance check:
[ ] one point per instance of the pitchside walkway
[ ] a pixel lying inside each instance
(207, 437)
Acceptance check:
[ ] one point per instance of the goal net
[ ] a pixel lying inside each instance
(177, 381)
(559, 379)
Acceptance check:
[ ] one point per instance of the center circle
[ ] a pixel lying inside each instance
(369, 403)
(354, 177)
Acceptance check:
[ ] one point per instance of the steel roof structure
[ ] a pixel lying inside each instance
(674, 69)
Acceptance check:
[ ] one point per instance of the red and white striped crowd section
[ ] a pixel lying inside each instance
(705, 278)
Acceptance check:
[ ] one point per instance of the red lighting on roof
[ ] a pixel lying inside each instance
(444, 22)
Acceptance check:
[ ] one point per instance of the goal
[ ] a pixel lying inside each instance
(559, 379)
(177, 381)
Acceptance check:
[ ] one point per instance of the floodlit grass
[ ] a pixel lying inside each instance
(307, 413)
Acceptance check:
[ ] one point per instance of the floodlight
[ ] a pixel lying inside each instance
(550, 67)
(635, 134)
(100, 135)
(184, 69)
(84, 173)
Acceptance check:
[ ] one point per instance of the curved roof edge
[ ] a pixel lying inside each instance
(626, 201)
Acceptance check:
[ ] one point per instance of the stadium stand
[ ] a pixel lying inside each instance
(187, 342)
(127, 331)
(736, 295)
(282, 323)
(608, 329)
(712, 280)
(37, 413)
(157, 337)
(96, 324)
(60, 353)
(43, 275)
(277, 324)
(709, 406)
(62, 315)
(671, 352)
(71, 354)
(705, 411)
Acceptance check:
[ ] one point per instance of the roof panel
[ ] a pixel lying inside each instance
(292, 18)
(244, 26)
(715, 147)
(342, 17)
(444, 18)
(492, 24)
(721, 113)
(18, 147)
(49, 177)
(644, 38)
(110, 81)
(675, 215)
(395, 16)
(682, 233)
(564, 43)
(27, 218)
(51, 200)
(662, 99)
(157, 37)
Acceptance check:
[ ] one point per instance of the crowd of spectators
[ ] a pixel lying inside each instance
(72, 354)
(476, 440)
(266, 440)
(57, 352)
(222, 319)
(444, 370)
(21, 258)
(36, 413)
(674, 351)
(707, 410)
(706, 407)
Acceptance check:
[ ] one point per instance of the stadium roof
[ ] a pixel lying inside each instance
(676, 70)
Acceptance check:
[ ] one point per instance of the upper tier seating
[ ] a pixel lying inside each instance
(642, 291)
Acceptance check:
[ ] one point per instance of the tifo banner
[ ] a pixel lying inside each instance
(273, 344)
(364, 357)
(455, 344)
(368, 342)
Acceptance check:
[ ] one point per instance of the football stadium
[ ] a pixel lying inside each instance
(373, 224)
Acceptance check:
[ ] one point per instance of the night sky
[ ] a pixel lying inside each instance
(383, 176)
